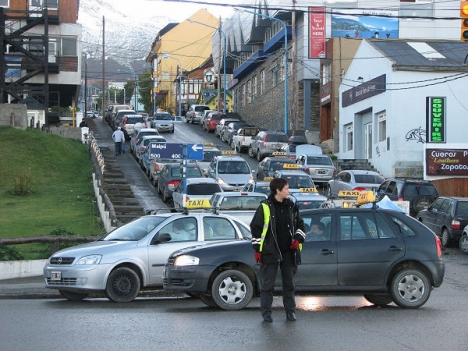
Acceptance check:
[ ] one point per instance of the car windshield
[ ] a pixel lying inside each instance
(164, 116)
(311, 160)
(189, 172)
(234, 167)
(262, 189)
(203, 189)
(134, 230)
(297, 182)
(368, 178)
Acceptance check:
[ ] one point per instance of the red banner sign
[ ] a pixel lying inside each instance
(317, 31)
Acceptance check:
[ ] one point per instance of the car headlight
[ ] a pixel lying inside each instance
(186, 260)
(221, 181)
(91, 259)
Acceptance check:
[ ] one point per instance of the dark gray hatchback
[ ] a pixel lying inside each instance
(385, 255)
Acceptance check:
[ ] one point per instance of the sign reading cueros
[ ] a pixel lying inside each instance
(453, 162)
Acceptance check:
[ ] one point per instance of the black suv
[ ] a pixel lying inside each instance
(419, 193)
(446, 216)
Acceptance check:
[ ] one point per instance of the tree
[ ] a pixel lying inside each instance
(145, 84)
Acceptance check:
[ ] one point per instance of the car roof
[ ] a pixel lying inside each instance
(360, 171)
(239, 193)
(230, 158)
(291, 172)
(308, 196)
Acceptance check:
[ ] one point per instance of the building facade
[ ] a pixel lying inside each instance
(41, 60)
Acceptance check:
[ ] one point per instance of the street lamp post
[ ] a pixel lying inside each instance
(166, 56)
(224, 58)
(285, 64)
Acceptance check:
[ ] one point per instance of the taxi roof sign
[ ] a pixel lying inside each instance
(291, 165)
(198, 204)
(308, 190)
(349, 193)
(278, 153)
(207, 143)
(365, 197)
(228, 152)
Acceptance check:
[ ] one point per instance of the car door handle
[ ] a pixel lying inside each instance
(326, 252)
(395, 248)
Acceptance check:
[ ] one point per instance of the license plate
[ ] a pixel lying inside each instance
(55, 275)
(321, 171)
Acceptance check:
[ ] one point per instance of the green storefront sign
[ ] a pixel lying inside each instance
(436, 119)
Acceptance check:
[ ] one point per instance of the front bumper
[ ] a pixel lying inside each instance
(188, 278)
(82, 277)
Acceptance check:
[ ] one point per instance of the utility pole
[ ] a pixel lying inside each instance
(219, 70)
(103, 65)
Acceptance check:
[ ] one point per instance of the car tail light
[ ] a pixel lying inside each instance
(136, 141)
(455, 224)
(359, 188)
(292, 157)
(156, 168)
(142, 148)
(334, 172)
(400, 198)
(438, 246)
(172, 184)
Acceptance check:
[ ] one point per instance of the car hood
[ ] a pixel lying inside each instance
(235, 178)
(96, 247)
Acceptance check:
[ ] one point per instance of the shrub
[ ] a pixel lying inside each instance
(23, 184)
(8, 253)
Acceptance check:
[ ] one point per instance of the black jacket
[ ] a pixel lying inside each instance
(285, 220)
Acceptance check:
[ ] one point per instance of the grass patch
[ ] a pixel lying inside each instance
(53, 175)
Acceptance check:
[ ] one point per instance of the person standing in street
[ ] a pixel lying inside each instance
(119, 138)
(277, 236)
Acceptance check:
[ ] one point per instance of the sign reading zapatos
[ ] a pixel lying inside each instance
(453, 162)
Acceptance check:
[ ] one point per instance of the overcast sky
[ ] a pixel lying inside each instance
(175, 10)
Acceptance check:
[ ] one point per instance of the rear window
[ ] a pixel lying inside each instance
(368, 178)
(203, 189)
(281, 138)
(134, 120)
(164, 116)
(189, 172)
(322, 161)
(462, 208)
(277, 165)
(201, 108)
(420, 189)
(209, 155)
(250, 131)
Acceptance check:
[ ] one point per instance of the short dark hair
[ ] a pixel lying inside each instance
(277, 184)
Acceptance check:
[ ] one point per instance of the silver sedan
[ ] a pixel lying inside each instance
(132, 257)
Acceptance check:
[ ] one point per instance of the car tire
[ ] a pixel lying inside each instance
(379, 299)
(123, 285)
(232, 290)
(208, 300)
(463, 244)
(73, 296)
(410, 288)
(445, 238)
(251, 154)
(233, 145)
(259, 156)
(329, 192)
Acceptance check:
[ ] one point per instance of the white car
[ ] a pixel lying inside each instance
(354, 180)
(231, 172)
(138, 134)
(196, 188)
(132, 257)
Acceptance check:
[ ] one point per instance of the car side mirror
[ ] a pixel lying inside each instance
(162, 238)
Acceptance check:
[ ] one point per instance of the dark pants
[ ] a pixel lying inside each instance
(118, 148)
(268, 271)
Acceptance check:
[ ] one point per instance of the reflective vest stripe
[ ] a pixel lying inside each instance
(266, 221)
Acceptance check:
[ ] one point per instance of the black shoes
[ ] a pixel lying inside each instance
(291, 316)
(267, 318)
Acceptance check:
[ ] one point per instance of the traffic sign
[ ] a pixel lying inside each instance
(195, 151)
(176, 151)
(166, 150)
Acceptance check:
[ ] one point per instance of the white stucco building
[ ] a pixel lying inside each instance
(387, 99)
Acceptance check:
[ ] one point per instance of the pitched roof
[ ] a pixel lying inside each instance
(424, 55)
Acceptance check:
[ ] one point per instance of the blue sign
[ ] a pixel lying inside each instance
(195, 151)
(175, 151)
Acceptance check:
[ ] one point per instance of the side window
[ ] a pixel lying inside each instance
(391, 189)
(437, 205)
(351, 227)
(317, 227)
(244, 231)
(446, 206)
(403, 228)
(184, 229)
(218, 228)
